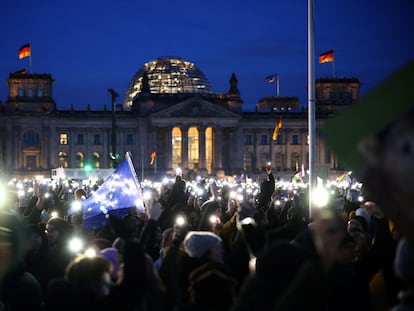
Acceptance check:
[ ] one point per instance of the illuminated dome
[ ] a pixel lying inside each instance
(168, 75)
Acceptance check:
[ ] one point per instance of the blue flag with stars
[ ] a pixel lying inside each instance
(119, 193)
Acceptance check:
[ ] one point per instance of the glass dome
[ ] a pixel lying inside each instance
(168, 75)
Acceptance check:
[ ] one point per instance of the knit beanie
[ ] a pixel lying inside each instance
(197, 243)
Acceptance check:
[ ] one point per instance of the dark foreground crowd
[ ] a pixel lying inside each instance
(189, 253)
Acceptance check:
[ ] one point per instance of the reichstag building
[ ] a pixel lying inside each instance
(170, 118)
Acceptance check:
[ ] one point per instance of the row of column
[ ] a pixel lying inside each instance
(217, 146)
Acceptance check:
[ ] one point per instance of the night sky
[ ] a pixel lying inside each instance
(89, 46)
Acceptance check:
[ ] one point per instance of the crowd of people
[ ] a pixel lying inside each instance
(210, 252)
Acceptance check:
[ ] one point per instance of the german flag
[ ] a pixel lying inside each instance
(24, 51)
(327, 57)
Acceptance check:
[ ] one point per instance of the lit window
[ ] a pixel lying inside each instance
(63, 159)
(63, 139)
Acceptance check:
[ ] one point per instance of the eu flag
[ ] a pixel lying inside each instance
(119, 193)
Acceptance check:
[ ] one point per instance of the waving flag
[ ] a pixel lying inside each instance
(24, 51)
(153, 156)
(272, 78)
(327, 57)
(119, 193)
(277, 128)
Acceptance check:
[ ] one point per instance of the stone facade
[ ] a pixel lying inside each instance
(200, 133)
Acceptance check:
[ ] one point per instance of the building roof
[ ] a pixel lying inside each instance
(168, 75)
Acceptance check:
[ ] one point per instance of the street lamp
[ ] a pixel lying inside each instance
(113, 153)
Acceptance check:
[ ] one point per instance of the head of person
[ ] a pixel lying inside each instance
(203, 244)
(58, 230)
(91, 273)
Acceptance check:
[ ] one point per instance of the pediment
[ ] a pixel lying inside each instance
(195, 107)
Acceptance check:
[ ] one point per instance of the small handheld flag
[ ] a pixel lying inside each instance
(277, 128)
(327, 57)
(153, 156)
(24, 51)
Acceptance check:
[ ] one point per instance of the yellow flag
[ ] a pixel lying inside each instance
(277, 128)
(153, 156)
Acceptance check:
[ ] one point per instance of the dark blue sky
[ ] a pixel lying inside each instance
(89, 46)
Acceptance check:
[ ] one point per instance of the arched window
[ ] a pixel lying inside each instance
(209, 149)
(80, 158)
(176, 147)
(63, 159)
(278, 165)
(263, 158)
(294, 161)
(247, 162)
(193, 141)
(96, 157)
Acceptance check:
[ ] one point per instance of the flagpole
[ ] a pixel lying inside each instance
(128, 157)
(142, 162)
(277, 85)
(311, 100)
(333, 64)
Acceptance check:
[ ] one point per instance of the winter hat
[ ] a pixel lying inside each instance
(111, 254)
(197, 243)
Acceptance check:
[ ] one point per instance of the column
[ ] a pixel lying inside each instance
(303, 147)
(184, 148)
(255, 148)
(270, 145)
(53, 150)
(201, 148)
(239, 148)
(218, 162)
(286, 155)
(168, 148)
